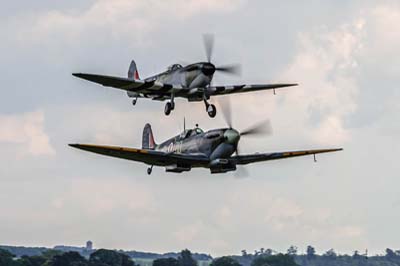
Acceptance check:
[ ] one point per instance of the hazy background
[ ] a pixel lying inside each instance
(344, 54)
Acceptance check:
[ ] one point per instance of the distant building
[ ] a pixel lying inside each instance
(89, 245)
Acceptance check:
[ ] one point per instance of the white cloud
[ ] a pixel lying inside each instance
(383, 40)
(325, 65)
(114, 19)
(26, 131)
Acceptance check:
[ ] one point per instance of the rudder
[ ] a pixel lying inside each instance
(148, 142)
(133, 72)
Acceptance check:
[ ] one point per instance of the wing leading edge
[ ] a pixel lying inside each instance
(146, 156)
(252, 158)
(221, 90)
(130, 85)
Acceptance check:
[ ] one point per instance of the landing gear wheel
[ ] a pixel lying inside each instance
(211, 110)
(149, 170)
(134, 101)
(168, 108)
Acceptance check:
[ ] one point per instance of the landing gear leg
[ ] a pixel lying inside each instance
(134, 101)
(211, 109)
(169, 106)
(149, 170)
(173, 101)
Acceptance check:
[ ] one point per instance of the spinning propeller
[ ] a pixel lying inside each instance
(209, 68)
(233, 136)
(259, 129)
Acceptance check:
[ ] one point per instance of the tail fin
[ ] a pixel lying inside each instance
(148, 138)
(133, 72)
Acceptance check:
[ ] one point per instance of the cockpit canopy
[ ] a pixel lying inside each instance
(174, 67)
(191, 132)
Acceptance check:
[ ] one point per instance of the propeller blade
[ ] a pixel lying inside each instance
(262, 128)
(208, 40)
(230, 69)
(226, 109)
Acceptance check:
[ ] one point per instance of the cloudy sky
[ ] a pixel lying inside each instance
(344, 54)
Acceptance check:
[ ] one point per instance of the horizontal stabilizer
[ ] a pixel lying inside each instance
(108, 81)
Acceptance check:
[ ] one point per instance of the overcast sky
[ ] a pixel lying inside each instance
(344, 55)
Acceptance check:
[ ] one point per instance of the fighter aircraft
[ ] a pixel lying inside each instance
(192, 82)
(192, 148)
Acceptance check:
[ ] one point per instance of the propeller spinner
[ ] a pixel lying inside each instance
(209, 68)
(232, 136)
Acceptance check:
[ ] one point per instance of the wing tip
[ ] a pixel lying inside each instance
(79, 75)
(74, 145)
(285, 85)
(327, 150)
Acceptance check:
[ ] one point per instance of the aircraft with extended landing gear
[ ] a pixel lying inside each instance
(192, 82)
(192, 148)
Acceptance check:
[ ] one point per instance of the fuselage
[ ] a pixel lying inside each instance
(198, 75)
(217, 143)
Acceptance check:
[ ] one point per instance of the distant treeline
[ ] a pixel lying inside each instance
(328, 258)
(35, 251)
(101, 257)
(263, 257)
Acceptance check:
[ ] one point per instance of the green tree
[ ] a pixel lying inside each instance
(6, 258)
(186, 259)
(268, 252)
(274, 260)
(310, 252)
(49, 254)
(390, 254)
(105, 257)
(225, 261)
(32, 261)
(68, 259)
(356, 255)
(166, 262)
(330, 254)
(292, 251)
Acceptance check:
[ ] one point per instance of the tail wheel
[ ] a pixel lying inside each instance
(211, 110)
(168, 108)
(134, 101)
(149, 170)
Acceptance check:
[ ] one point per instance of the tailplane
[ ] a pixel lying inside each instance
(148, 142)
(133, 72)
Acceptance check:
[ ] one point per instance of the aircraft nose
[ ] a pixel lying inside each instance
(208, 69)
(231, 136)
